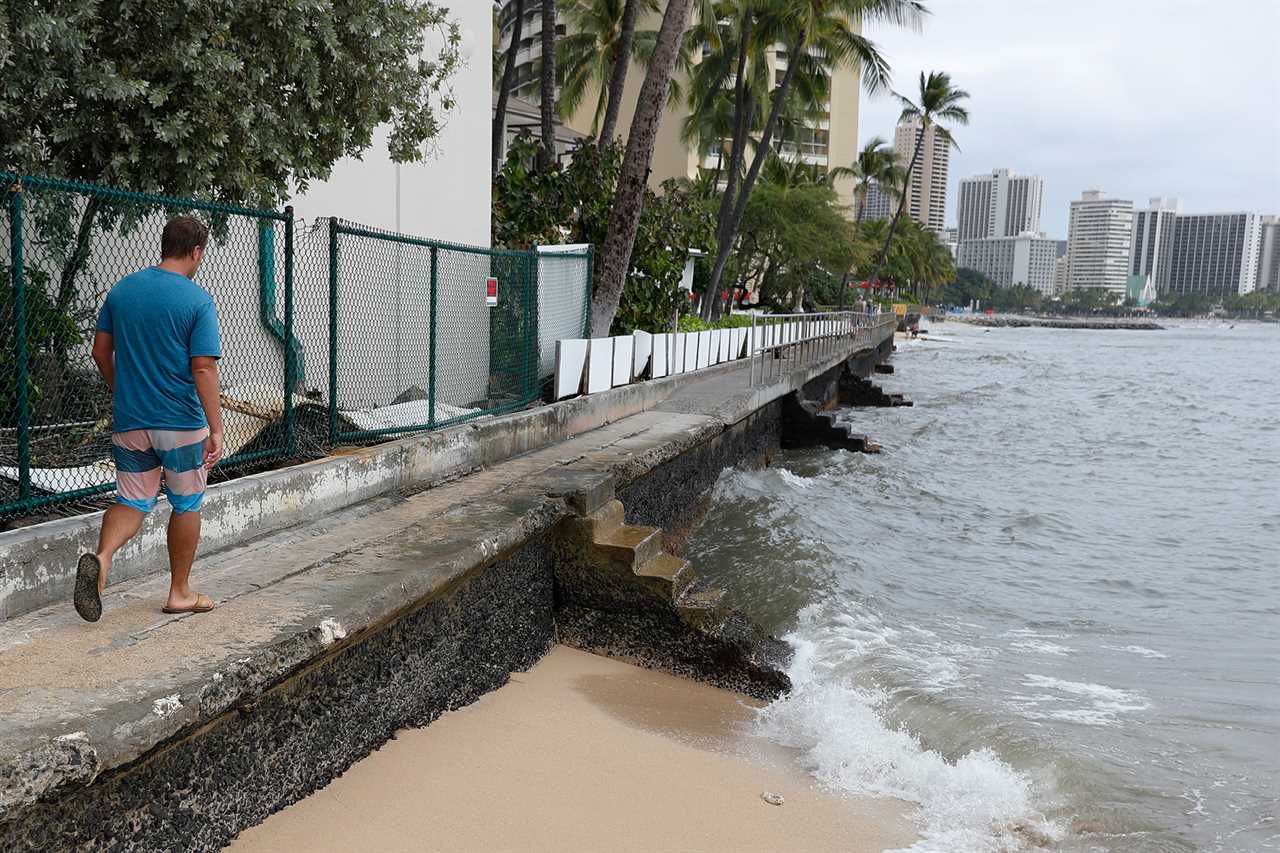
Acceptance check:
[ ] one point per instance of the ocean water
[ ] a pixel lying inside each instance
(1048, 614)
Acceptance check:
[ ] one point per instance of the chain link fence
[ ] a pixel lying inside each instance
(340, 333)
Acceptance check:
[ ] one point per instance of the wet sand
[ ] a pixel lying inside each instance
(582, 753)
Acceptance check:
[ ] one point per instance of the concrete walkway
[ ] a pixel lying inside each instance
(78, 699)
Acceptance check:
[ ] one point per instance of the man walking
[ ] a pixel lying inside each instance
(157, 347)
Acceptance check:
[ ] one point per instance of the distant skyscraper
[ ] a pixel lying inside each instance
(927, 192)
(1009, 261)
(877, 205)
(1152, 243)
(1215, 253)
(1269, 254)
(1099, 231)
(1001, 204)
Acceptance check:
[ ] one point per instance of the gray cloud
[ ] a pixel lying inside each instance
(1136, 97)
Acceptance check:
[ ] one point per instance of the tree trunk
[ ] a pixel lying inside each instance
(736, 153)
(624, 219)
(547, 154)
(762, 153)
(618, 79)
(504, 90)
(902, 202)
(70, 270)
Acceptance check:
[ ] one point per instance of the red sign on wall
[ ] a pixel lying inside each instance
(491, 292)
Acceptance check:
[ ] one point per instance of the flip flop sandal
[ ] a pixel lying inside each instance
(86, 598)
(198, 607)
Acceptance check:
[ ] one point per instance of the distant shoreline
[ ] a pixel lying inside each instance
(1017, 322)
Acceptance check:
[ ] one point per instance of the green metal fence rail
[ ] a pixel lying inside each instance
(332, 333)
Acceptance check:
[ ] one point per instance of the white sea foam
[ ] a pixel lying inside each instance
(1140, 651)
(976, 803)
(1028, 632)
(1101, 705)
(1043, 648)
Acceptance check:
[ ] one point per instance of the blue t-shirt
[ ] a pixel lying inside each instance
(159, 320)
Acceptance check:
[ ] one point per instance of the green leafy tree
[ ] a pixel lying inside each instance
(794, 235)
(532, 206)
(227, 100)
(967, 287)
(939, 101)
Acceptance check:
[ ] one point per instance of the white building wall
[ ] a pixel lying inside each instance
(1269, 254)
(384, 315)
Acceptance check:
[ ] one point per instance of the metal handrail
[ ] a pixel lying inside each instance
(798, 339)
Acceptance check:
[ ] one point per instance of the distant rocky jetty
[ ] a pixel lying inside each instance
(1003, 321)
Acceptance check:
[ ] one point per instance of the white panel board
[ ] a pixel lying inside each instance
(726, 336)
(736, 338)
(677, 353)
(691, 352)
(622, 351)
(704, 349)
(641, 353)
(661, 356)
(599, 365)
(571, 358)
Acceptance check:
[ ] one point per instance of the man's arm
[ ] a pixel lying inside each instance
(204, 370)
(104, 347)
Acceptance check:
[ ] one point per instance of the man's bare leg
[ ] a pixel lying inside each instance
(184, 536)
(119, 524)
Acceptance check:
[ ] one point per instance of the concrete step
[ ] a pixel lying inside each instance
(605, 519)
(671, 575)
(630, 544)
(703, 608)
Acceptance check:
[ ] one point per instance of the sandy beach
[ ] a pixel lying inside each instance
(582, 753)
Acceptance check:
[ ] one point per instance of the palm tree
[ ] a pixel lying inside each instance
(547, 153)
(504, 88)
(814, 32)
(743, 61)
(875, 164)
(624, 218)
(596, 53)
(939, 101)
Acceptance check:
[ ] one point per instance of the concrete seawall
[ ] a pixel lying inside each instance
(405, 590)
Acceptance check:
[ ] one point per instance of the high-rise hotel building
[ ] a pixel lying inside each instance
(1215, 253)
(1001, 204)
(1099, 233)
(927, 191)
(1151, 247)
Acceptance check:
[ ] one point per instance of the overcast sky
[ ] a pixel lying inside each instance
(1139, 98)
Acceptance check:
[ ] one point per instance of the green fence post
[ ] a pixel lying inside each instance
(431, 351)
(290, 360)
(20, 341)
(333, 332)
(532, 332)
(586, 298)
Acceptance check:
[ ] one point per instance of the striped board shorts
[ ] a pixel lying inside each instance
(142, 455)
